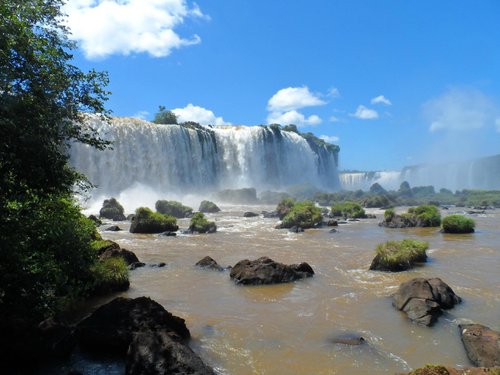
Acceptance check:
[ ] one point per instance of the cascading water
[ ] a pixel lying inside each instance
(179, 159)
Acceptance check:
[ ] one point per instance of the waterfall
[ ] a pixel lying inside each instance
(193, 159)
(363, 180)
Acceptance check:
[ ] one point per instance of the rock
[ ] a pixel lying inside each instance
(57, 338)
(156, 353)
(266, 271)
(128, 256)
(106, 245)
(95, 219)
(351, 339)
(443, 370)
(130, 217)
(135, 265)
(482, 344)
(158, 265)
(111, 209)
(173, 208)
(333, 230)
(209, 263)
(208, 207)
(296, 229)
(332, 223)
(111, 328)
(147, 221)
(270, 215)
(168, 234)
(424, 299)
(250, 214)
(113, 228)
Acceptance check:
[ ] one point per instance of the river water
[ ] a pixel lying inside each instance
(288, 328)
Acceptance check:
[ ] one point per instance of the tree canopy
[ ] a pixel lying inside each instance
(165, 117)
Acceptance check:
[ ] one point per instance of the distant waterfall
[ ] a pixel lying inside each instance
(363, 180)
(179, 159)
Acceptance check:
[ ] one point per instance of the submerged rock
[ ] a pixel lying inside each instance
(482, 344)
(351, 339)
(113, 228)
(266, 271)
(296, 229)
(209, 263)
(135, 265)
(250, 214)
(424, 299)
(208, 207)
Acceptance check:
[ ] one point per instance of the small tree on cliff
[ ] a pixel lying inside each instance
(165, 117)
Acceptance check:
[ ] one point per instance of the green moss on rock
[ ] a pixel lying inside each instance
(398, 256)
(147, 221)
(458, 224)
(303, 214)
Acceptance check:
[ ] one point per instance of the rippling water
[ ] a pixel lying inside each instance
(286, 329)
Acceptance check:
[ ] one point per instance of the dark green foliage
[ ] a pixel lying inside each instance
(173, 208)
(458, 224)
(46, 256)
(111, 209)
(426, 216)
(376, 188)
(303, 214)
(200, 224)
(348, 209)
(389, 214)
(165, 117)
(376, 201)
(109, 275)
(208, 207)
(405, 190)
(422, 191)
(399, 255)
(284, 207)
(147, 221)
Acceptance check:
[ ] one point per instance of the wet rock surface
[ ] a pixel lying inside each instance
(209, 263)
(482, 344)
(424, 299)
(266, 271)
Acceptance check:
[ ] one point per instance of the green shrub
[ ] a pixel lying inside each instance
(201, 225)
(458, 224)
(110, 275)
(426, 216)
(348, 209)
(389, 214)
(111, 209)
(399, 255)
(376, 201)
(303, 214)
(173, 208)
(147, 221)
(100, 246)
(284, 207)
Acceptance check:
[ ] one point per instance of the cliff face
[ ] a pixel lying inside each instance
(193, 158)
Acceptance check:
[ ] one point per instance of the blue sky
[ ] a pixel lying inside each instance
(392, 82)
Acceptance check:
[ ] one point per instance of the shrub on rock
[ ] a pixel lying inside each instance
(111, 209)
(284, 207)
(421, 216)
(303, 214)
(458, 224)
(147, 221)
(398, 256)
(201, 225)
(110, 275)
(208, 207)
(173, 208)
(351, 210)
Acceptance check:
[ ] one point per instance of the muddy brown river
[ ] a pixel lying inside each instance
(287, 328)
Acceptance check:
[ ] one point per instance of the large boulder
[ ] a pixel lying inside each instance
(147, 221)
(156, 353)
(482, 344)
(173, 208)
(424, 299)
(266, 271)
(111, 209)
(111, 328)
(208, 207)
(128, 256)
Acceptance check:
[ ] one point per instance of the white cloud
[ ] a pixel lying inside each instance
(122, 27)
(293, 98)
(334, 119)
(198, 114)
(293, 117)
(329, 138)
(141, 115)
(381, 99)
(364, 113)
(334, 92)
(461, 109)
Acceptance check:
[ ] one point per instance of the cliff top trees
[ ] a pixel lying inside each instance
(165, 117)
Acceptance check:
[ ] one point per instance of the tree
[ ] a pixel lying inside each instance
(165, 117)
(45, 252)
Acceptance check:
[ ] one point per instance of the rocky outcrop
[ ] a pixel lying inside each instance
(424, 299)
(111, 209)
(266, 271)
(128, 256)
(351, 339)
(443, 370)
(482, 344)
(250, 214)
(113, 228)
(208, 207)
(209, 263)
(156, 353)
